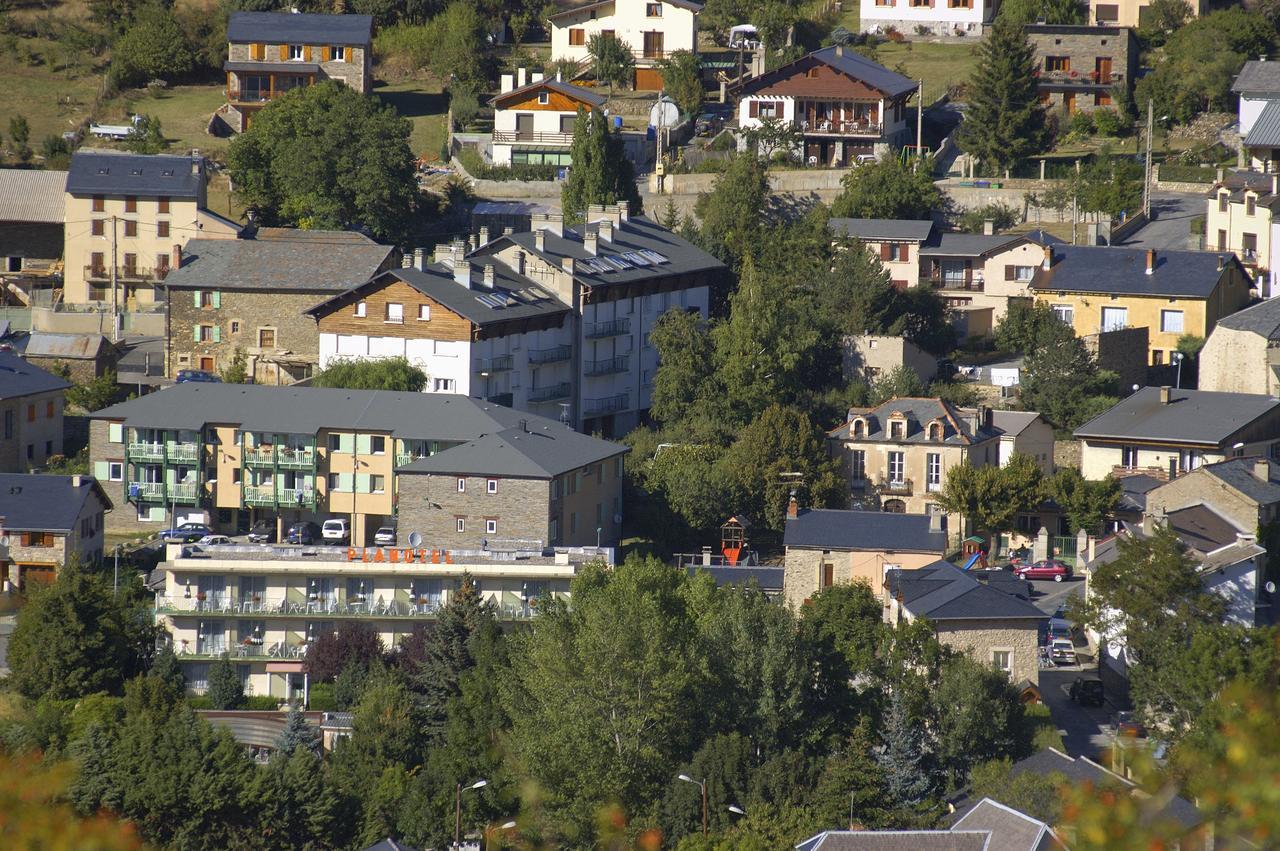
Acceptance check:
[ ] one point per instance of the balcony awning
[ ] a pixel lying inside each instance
(286, 69)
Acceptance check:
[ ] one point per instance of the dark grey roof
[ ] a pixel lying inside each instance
(544, 450)
(301, 29)
(513, 296)
(267, 67)
(897, 840)
(1010, 829)
(1134, 490)
(635, 235)
(566, 89)
(876, 229)
(768, 578)
(1265, 131)
(1114, 270)
(278, 264)
(1262, 319)
(46, 344)
(1238, 473)
(943, 592)
(102, 172)
(957, 425)
(1257, 77)
(564, 7)
(32, 502)
(390, 845)
(850, 63)
(955, 244)
(19, 378)
(1191, 416)
(1201, 528)
(834, 529)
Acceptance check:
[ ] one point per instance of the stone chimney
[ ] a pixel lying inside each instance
(1262, 469)
(1048, 257)
(471, 243)
(488, 276)
(505, 83)
(595, 212)
(195, 164)
(406, 262)
(507, 231)
(520, 78)
(988, 227)
(589, 242)
(604, 229)
(419, 259)
(462, 273)
(457, 252)
(77, 481)
(1165, 394)
(793, 506)
(1151, 261)
(553, 222)
(540, 239)
(839, 50)
(175, 256)
(484, 236)
(1275, 184)
(567, 264)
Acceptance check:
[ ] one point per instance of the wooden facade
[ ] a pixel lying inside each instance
(815, 79)
(444, 324)
(528, 101)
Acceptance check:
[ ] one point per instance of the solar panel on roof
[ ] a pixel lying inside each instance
(617, 263)
(637, 259)
(654, 256)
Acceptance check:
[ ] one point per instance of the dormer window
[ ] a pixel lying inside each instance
(859, 428)
(295, 52)
(897, 427)
(1250, 204)
(936, 430)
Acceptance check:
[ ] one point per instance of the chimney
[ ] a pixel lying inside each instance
(793, 506)
(175, 256)
(77, 480)
(986, 415)
(484, 236)
(505, 84)
(406, 262)
(519, 261)
(488, 276)
(839, 50)
(457, 252)
(520, 78)
(589, 242)
(595, 212)
(195, 165)
(507, 231)
(1151, 261)
(604, 229)
(1164, 394)
(471, 243)
(535, 77)
(935, 522)
(540, 239)
(1262, 469)
(442, 253)
(624, 214)
(1222, 262)
(1219, 174)
(462, 273)
(567, 264)
(1275, 184)
(419, 259)
(524, 426)
(988, 227)
(1048, 257)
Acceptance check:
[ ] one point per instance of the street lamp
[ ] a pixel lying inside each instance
(457, 818)
(702, 784)
(1177, 357)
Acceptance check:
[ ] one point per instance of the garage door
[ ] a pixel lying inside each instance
(36, 574)
(648, 79)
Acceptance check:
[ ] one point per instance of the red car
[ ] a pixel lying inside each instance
(1049, 568)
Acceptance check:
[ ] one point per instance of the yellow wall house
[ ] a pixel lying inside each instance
(1240, 218)
(1171, 293)
(128, 217)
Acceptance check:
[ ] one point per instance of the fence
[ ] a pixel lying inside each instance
(1173, 172)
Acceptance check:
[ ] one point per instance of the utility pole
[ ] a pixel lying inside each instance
(919, 118)
(115, 302)
(1146, 173)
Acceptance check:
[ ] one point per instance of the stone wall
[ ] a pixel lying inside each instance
(239, 319)
(1066, 453)
(1238, 362)
(431, 505)
(979, 638)
(28, 435)
(1123, 352)
(1199, 487)
(123, 519)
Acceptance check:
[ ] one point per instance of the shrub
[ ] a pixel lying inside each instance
(1081, 124)
(1108, 122)
(481, 170)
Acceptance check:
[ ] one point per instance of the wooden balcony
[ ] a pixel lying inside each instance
(836, 129)
(125, 273)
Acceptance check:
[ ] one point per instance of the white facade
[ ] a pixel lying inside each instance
(653, 30)
(543, 129)
(1098, 460)
(889, 129)
(939, 17)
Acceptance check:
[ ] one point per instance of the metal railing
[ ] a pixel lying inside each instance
(1081, 78)
(145, 452)
(257, 496)
(840, 128)
(551, 392)
(605, 404)
(894, 486)
(403, 607)
(607, 366)
(149, 491)
(611, 328)
(501, 363)
(189, 452)
(977, 284)
(551, 355)
(540, 137)
(126, 273)
(184, 492)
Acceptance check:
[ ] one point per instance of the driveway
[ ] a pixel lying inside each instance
(1086, 730)
(1170, 229)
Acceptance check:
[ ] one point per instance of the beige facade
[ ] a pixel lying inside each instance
(868, 357)
(651, 29)
(988, 642)
(1239, 360)
(1128, 13)
(30, 430)
(807, 570)
(1240, 218)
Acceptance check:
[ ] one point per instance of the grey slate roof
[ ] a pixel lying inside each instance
(853, 64)
(307, 28)
(1010, 829)
(836, 529)
(102, 172)
(877, 229)
(19, 378)
(954, 244)
(520, 297)
(35, 502)
(567, 89)
(897, 840)
(1013, 422)
(1192, 416)
(957, 426)
(278, 264)
(1114, 270)
(1201, 528)
(1265, 131)
(943, 592)
(768, 578)
(1238, 473)
(32, 195)
(544, 450)
(1262, 319)
(567, 6)
(1258, 78)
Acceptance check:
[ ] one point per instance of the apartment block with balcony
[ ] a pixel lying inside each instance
(652, 29)
(844, 105)
(955, 18)
(270, 53)
(251, 295)
(533, 121)
(1240, 217)
(48, 520)
(266, 607)
(127, 216)
(1081, 66)
(1171, 293)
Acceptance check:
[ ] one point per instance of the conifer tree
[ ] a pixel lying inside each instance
(297, 734)
(601, 173)
(225, 689)
(1004, 123)
(904, 759)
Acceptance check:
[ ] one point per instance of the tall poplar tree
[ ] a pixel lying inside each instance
(601, 172)
(1004, 123)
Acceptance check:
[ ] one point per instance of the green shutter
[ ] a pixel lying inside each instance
(364, 444)
(362, 483)
(196, 296)
(157, 514)
(217, 333)
(346, 442)
(217, 298)
(101, 470)
(195, 333)
(344, 481)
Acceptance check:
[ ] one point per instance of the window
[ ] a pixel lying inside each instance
(544, 98)
(442, 385)
(896, 468)
(205, 297)
(1129, 457)
(1065, 313)
(1023, 274)
(130, 227)
(130, 263)
(115, 471)
(162, 263)
(1249, 246)
(459, 524)
(48, 409)
(99, 227)
(295, 52)
(424, 313)
(395, 313)
(362, 308)
(462, 485)
(1250, 204)
(577, 37)
(204, 333)
(491, 526)
(131, 203)
(99, 204)
(162, 229)
(1107, 12)
(934, 469)
(163, 204)
(337, 53)
(921, 4)
(770, 109)
(115, 433)
(960, 4)
(235, 326)
(1057, 63)
(1157, 357)
(897, 429)
(377, 484)
(378, 444)
(858, 465)
(1002, 660)
(491, 486)
(31, 413)
(235, 475)
(266, 338)
(97, 263)
(653, 10)
(1171, 321)
(1222, 201)
(1115, 318)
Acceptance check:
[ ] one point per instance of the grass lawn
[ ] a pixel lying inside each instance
(184, 113)
(423, 104)
(52, 102)
(939, 65)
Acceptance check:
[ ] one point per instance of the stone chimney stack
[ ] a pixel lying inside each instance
(604, 229)
(1262, 469)
(175, 256)
(484, 236)
(406, 262)
(567, 264)
(988, 227)
(488, 276)
(506, 84)
(462, 273)
(1151, 261)
(540, 239)
(507, 231)
(589, 242)
(419, 259)
(1165, 395)
(77, 480)
(793, 507)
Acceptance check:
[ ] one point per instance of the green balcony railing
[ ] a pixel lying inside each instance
(259, 496)
(298, 497)
(260, 456)
(291, 458)
(184, 492)
(147, 491)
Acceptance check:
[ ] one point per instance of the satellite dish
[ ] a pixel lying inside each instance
(1270, 586)
(4, 541)
(415, 539)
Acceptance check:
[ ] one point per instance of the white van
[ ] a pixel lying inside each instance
(336, 531)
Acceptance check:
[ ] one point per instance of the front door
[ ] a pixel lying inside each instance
(653, 45)
(1102, 68)
(1069, 101)
(206, 364)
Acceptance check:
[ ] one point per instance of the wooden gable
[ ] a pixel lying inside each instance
(528, 101)
(810, 77)
(341, 318)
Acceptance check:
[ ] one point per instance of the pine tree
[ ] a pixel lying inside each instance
(904, 758)
(225, 689)
(601, 173)
(167, 670)
(1004, 123)
(297, 734)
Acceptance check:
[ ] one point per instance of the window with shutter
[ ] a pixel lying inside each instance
(196, 294)
(306, 53)
(1008, 272)
(217, 299)
(753, 109)
(885, 251)
(326, 54)
(217, 333)
(347, 54)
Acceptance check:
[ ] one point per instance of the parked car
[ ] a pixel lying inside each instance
(1087, 691)
(263, 532)
(213, 540)
(707, 125)
(1049, 568)
(185, 533)
(385, 536)
(196, 375)
(303, 532)
(1062, 651)
(337, 530)
(1127, 725)
(1059, 628)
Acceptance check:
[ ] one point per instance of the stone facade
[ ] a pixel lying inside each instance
(1079, 66)
(356, 73)
(30, 430)
(1124, 352)
(981, 640)
(804, 569)
(1237, 361)
(37, 556)
(1203, 487)
(870, 356)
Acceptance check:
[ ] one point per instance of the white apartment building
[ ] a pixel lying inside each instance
(653, 29)
(939, 17)
(533, 121)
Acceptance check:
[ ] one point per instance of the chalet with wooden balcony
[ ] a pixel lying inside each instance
(1081, 66)
(533, 120)
(270, 53)
(843, 104)
(652, 29)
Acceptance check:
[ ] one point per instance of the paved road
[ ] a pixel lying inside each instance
(1171, 227)
(1049, 595)
(1086, 730)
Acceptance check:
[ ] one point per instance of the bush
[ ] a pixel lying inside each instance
(322, 699)
(481, 170)
(1108, 122)
(464, 105)
(153, 47)
(1081, 124)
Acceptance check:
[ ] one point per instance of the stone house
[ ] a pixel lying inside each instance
(86, 356)
(652, 29)
(869, 357)
(825, 547)
(984, 621)
(49, 519)
(252, 294)
(31, 227)
(32, 401)
(1081, 66)
(1242, 354)
(269, 53)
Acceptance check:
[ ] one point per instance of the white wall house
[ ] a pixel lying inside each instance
(1258, 86)
(652, 29)
(533, 121)
(939, 17)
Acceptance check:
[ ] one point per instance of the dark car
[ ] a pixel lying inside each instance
(185, 533)
(1085, 691)
(263, 532)
(304, 532)
(707, 125)
(1049, 568)
(196, 375)
(1128, 725)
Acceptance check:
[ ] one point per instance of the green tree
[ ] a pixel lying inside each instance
(96, 394)
(225, 689)
(385, 732)
(732, 214)
(991, 497)
(1161, 18)
(910, 781)
(455, 46)
(1027, 325)
(1087, 504)
(682, 80)
(295, 804)
(852, 785)
(237, 372)
(1001, 215)
(76, 637)
(1019, 12)
(611, 60)
(1029, 792)
(725, 763)
(297, 735)
(977, 716)
(166, 668)
(601, 173)
(685, 376)
(1111, 185)
(326, 156)
(146, 136)
(1060, 379)
(1004, 123)
(381, 374)
(154, 47)
(888, 188)
(20, 135)
(901, 382)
